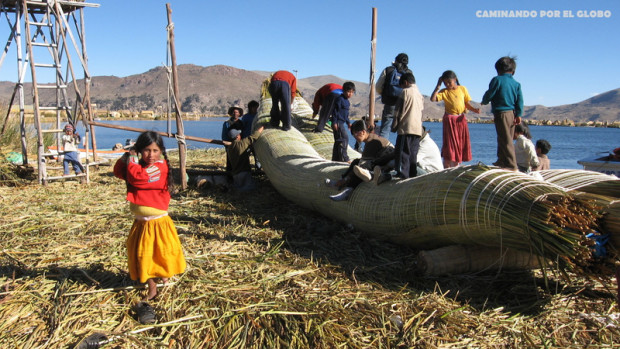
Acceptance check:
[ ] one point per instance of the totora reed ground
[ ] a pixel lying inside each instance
(262, 273)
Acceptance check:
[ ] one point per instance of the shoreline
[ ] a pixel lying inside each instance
(477, 120)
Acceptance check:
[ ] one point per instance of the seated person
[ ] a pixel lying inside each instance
(378, 153)
(239, 157)
(542, 149)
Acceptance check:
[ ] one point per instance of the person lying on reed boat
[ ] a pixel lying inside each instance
(378, 154)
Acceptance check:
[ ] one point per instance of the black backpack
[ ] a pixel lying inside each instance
(391, 88)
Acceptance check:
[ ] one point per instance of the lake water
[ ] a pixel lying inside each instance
(568, 144)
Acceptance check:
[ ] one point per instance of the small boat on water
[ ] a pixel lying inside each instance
(608, 164)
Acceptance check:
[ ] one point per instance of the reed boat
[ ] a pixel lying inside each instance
(475, 205)
(608, 164)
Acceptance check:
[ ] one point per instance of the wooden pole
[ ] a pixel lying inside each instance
(35, 98)
(175, 87)
(373, 47)
(21, 71)
(165, 134)
(86, 119)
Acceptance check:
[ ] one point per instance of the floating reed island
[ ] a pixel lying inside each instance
(272, 269)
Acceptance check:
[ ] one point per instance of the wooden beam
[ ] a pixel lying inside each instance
(175, 89)
(164, 134)
(373, 48)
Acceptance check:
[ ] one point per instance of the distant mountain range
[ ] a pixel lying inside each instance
(212, 90)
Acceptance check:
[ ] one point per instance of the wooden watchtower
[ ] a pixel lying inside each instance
(54, 36)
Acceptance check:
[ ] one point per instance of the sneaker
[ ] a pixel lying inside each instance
(343, 195)
(376, 172)
(145, 312)
(362, 173)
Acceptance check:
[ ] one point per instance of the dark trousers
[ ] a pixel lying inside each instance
(505, 129)
(387, 117)
(280, 92)
(407, 147)
(351, 179)
(326, 110)
(341, 143)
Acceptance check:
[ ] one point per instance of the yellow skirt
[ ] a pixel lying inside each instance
(154, 249)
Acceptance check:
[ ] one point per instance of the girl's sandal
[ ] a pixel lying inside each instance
(145, 313)
(93, 341)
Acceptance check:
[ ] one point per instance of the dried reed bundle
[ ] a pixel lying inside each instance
(458, 259)
(585, 181)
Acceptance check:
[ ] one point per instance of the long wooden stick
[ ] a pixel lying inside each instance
(123, 288)
(165, 134)
(373, 47)
(175, 87)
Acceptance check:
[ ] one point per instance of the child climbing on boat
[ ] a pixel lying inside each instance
(153, 246)
(341, 123)
(525, 151)
(71, 156)
(378, 153)
(456, 146)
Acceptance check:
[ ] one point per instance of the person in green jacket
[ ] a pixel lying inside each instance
(239, 158)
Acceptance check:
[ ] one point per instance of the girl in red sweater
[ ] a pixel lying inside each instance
(153, 246)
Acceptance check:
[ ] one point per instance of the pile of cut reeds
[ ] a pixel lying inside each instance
(262, 273)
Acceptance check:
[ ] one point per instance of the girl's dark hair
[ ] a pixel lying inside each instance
(523, 129)
(449, 74)
(147, 138)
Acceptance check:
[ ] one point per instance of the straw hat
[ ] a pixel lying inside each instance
(231, 109)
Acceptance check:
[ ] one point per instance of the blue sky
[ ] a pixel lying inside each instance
(560, 60)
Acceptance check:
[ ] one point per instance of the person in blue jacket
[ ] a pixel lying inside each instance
(341, 123)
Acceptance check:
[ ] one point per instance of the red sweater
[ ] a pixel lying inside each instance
(283, 75)
(148, 185)
(320, 95)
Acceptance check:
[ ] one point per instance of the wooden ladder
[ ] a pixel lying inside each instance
(47, 34)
